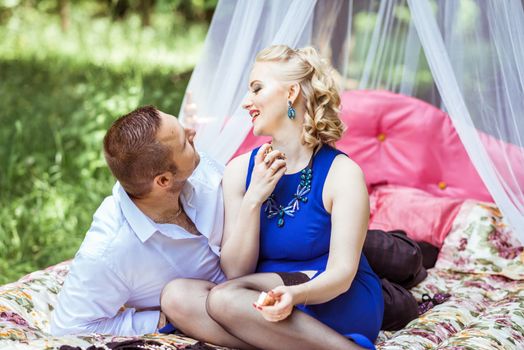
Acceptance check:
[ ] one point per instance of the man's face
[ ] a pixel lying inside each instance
(172, 134)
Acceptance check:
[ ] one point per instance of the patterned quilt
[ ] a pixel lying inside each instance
(481, 265)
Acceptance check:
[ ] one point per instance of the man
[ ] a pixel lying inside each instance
(164, 221)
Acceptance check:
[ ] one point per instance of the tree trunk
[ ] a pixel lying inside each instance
(63, 9)
(145, 12)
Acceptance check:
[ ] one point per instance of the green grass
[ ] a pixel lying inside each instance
(59, 92)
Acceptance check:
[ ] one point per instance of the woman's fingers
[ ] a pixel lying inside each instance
(276, 310)
(274, 314)
(273, 319)
(277, 165)
(271, 156)
(267, 155)
(268, 315)
(277, 292)
(261, 154)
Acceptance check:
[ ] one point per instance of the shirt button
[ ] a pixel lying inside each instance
(442, 185)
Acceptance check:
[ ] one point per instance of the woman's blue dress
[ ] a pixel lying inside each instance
(302, 244)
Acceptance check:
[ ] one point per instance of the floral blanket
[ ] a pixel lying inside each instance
(481, 265)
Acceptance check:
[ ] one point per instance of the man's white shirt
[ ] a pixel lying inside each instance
(127, 259)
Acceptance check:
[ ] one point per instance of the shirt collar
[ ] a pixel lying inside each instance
(140, 223)
(188, 192)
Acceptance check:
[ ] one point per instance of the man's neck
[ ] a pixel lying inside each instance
(160, 210)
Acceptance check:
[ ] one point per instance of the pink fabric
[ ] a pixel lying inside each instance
(400, 140)
(423, 216)
(250, 142)
(404, 141)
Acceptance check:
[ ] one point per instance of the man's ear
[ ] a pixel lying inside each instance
(293, 92)
(164, 180)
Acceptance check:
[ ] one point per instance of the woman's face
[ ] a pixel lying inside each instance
(266, 101)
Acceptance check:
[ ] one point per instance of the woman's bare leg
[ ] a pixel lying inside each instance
(184, 303)
(230, 304)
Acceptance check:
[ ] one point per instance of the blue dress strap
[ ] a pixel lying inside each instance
(321, 166)
(251, 166)
(325, 156)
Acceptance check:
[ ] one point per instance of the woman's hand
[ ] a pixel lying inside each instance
(269, 167)
(283, 306)
(190, 111)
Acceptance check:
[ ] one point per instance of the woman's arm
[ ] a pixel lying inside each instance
(345, 197)
(240, 242)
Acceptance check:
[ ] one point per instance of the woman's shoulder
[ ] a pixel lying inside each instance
(237, 168)
(344, 180)
(239, 162)
(342, 163)
(242, 160)
(344, 168)
(332, 157)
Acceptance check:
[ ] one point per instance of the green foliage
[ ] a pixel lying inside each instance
(387, 69)
(59, 93)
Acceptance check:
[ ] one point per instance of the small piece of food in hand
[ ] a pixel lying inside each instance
(268, 150)
(265, 299)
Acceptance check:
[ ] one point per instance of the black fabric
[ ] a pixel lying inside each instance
(293, 278)
(199, 346)
(400, 306)
(133, 344)
(429, 254)
(401, 264)
(395, 257)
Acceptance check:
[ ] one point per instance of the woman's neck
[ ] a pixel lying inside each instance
(297, 153)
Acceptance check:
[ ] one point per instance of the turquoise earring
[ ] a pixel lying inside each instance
(291, 112)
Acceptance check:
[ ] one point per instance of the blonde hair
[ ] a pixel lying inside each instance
(318, 87)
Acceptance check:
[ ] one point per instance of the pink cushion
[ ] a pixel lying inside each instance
(401, 140)
(423, 216)
(404, 141)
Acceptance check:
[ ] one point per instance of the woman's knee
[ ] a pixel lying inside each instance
(175, 298)
(226, 302)
(221, 303)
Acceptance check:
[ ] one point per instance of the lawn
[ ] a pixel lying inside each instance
(59, 92)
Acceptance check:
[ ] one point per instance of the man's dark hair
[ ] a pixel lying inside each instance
(134, 154)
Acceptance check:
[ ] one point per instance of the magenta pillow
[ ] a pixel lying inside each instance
(423, 216)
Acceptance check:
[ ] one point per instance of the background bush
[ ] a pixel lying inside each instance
(68, 68)
(60, 88)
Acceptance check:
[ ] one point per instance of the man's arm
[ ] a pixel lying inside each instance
(90, 302)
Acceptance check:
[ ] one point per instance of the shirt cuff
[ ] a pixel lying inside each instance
(146, 322)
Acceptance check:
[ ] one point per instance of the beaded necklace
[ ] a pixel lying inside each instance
(274, 209)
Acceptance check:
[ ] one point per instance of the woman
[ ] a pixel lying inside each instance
(310, 229)
(296, 218)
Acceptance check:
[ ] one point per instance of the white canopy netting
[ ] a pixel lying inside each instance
(466, 57)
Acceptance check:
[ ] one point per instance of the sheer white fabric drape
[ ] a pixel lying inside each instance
(238, 31)
(478, 65)
(466, 57)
